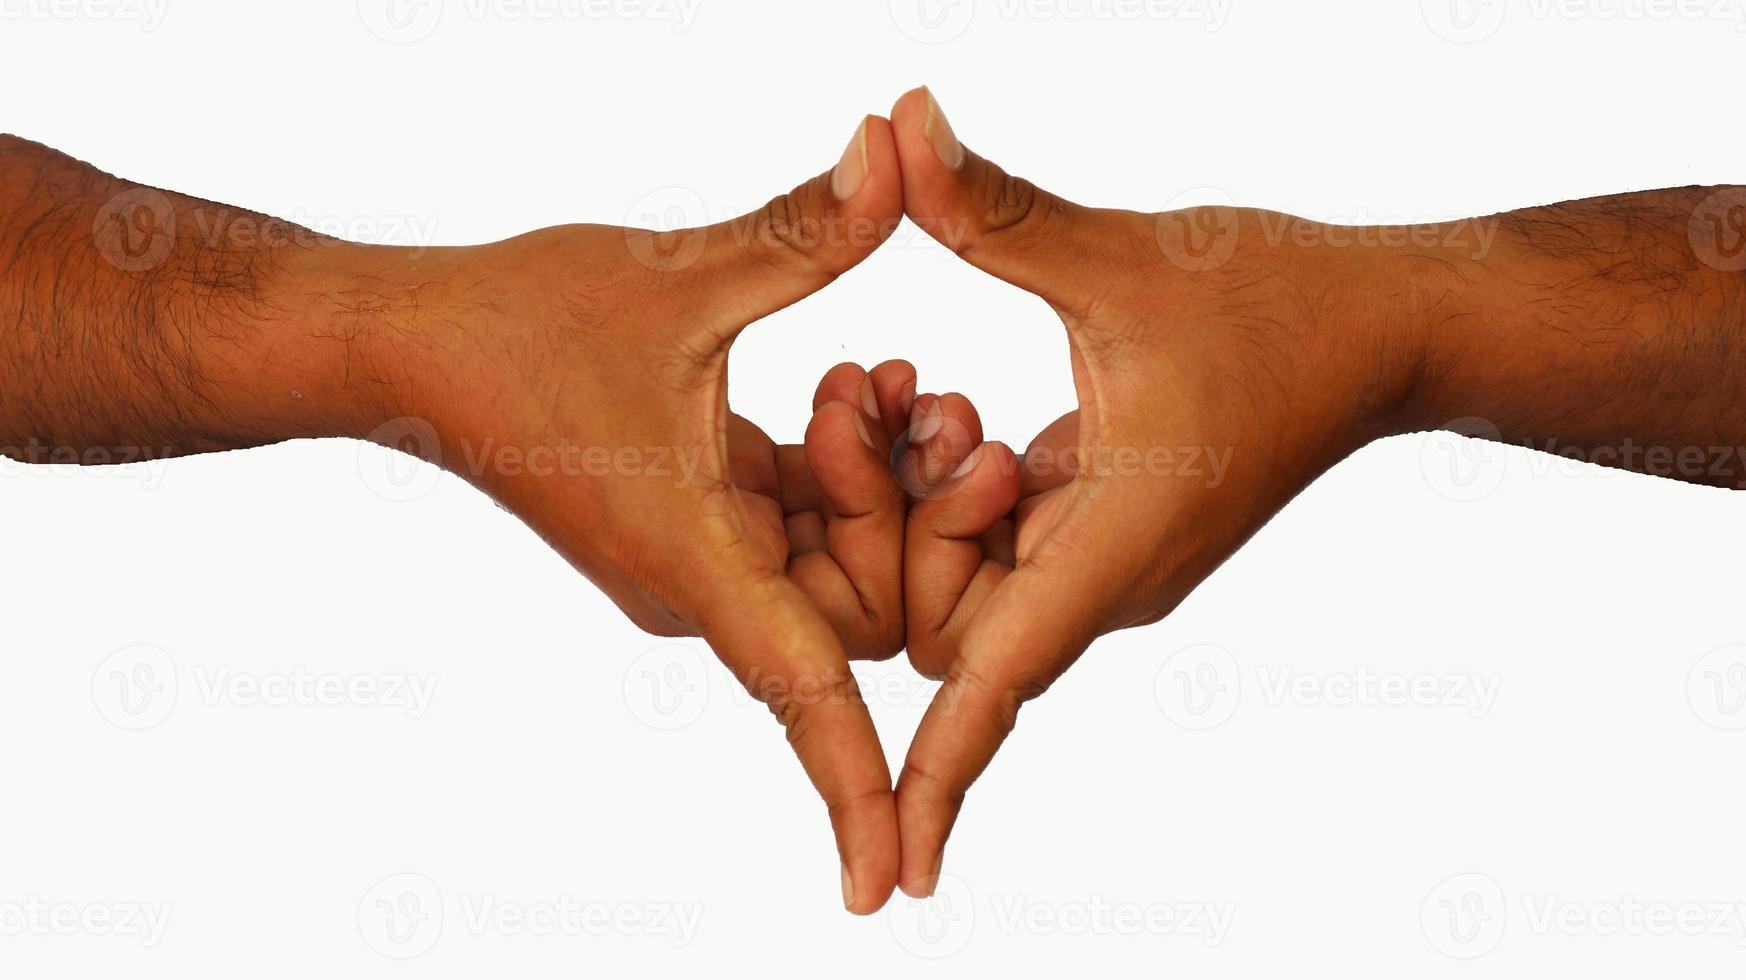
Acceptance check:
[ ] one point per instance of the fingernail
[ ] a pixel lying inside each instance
(848, 888)
(869, 401)
(939, 133)
(861, 430)
(968, 464)
(851, 170)
(906, 399)
(923, 426)
(933, 462)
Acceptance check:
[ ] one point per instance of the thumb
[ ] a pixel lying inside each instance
(1004, 225)
(800, 241)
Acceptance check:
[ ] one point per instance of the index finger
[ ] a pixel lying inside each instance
(1030, 630)
(767, 632)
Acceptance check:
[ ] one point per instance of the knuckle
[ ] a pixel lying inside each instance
(884, 640)
(921, 781)
(860, 799)
(654, 619)
(789, 232)
(796, 698)
(929, 652)
(1003, 695)
(1013, 208)
(663, 629)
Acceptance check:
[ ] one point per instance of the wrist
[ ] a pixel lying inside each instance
(1417, 292)
(355, 342)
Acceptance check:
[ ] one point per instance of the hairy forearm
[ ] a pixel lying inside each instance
(1611, 330)
(142, 322)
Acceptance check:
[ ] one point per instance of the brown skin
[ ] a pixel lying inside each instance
(1290, 345)
(240, 332)
(1599, 323)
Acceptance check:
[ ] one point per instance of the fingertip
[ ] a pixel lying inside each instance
(959, 408)
(850, 462)
(923, 843)
(881, 140)
(876, 207)
(982, 491)
(944, 433)
(842, 383)
(894, 387)
(835, 435)
(898, 365)
(998, 465)
(921, 887)
(932, 162)
(869, 849)
(870, 875)
(910, 111)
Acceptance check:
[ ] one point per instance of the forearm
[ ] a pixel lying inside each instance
(1613, 329)
(139, 322)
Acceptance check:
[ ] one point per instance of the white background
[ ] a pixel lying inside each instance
(1328, 833)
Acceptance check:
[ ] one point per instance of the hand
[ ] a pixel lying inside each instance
(831, 508)
(601, 352)
(1267, 363)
